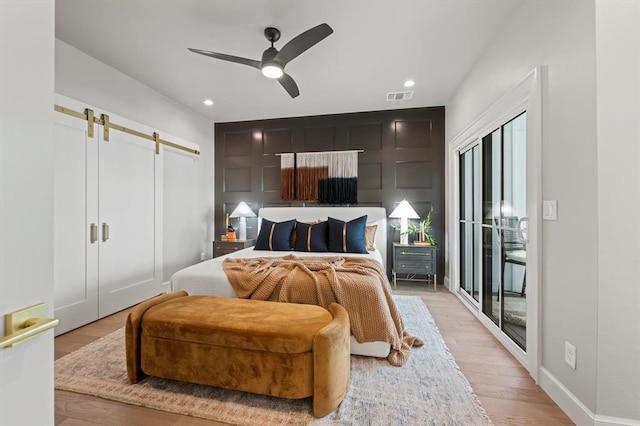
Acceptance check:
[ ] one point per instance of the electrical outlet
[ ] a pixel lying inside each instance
(202, 256)
(570, 354)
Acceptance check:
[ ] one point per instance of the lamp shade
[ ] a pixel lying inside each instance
(242, 210)
(404, 210)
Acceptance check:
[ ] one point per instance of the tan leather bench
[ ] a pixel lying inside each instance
(280, 349)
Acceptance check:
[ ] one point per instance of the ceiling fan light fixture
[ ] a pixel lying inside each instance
(272, 70)
(273, 60)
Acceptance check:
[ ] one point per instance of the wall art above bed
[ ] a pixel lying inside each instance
(327, 177)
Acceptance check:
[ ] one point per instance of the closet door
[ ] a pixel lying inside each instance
(130, 220)
(75, 203)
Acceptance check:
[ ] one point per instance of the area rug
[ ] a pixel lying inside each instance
(428, 390)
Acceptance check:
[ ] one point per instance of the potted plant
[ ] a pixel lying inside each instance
(424, 230)
(411, 228)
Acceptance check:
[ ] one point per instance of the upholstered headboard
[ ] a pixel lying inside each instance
(306, 214)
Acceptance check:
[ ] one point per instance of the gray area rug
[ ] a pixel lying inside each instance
(428, 390)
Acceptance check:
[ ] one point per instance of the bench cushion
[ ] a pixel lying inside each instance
(237, 323)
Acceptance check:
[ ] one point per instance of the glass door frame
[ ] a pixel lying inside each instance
(525, 96)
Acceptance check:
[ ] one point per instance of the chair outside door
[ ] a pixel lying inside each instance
(513, 248)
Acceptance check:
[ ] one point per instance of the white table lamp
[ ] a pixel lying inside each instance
(403, 212)
(243, 211)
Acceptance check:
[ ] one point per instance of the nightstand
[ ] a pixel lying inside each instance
(414, 260)
(222, 247)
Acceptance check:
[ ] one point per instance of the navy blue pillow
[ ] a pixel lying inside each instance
(275, 235)
(347, 237)
(311, 236)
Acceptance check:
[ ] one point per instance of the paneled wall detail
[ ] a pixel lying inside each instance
(319, 139)
(271, 179)
(237, 144)
(369, 176)
(276, 141)
(413, 134)
(237, 179)
(413, 174)
(403, 158)
(365, 136)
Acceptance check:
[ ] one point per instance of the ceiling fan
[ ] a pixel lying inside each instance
(273, 61)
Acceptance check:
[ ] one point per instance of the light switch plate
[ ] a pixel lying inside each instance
(550, 210)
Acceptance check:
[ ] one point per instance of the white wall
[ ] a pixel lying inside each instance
(188, 184)
(26, 203)
(618, 78)
(560, 36)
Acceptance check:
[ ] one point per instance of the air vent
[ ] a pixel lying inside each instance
(399, 96)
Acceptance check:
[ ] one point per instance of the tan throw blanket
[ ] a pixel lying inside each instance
(359, 285)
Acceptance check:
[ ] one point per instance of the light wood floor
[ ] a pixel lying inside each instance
(504, 387)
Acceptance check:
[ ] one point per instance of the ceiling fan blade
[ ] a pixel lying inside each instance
(289, 85)
(230, 58)
(303, 42)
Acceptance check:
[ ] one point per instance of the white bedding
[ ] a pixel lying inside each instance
(208, 277)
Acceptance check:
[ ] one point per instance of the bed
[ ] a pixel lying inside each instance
(209, 278)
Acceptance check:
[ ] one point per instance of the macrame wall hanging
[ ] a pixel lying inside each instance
(327, 177)
(287, 170)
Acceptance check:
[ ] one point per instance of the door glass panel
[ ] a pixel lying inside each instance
(469, 269)
(514, 317)
(491, 178)
(491, 206)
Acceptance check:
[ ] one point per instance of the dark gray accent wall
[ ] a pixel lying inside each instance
(403, 158)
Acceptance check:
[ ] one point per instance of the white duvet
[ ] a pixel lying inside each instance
(208, 277)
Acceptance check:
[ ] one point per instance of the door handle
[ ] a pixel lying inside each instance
(26, 323)
(105, 232)
(32, 328)
(93, 233)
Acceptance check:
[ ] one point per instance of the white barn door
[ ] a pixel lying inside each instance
(130, 182)
(107, 218)
(75, 213)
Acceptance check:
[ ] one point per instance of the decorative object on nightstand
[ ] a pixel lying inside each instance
(424, 236)
(404, 211)
(243, 211)
(222, 247)
(412, 260)
(230, 231)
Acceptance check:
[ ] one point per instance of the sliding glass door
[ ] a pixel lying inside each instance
(493, 221)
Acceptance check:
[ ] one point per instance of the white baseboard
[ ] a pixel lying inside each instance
(166, 286)
(614, 421)
(567, 401)
(573, 407)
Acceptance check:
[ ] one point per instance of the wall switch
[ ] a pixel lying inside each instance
(550, 210)
(202, 256)
(570, 354)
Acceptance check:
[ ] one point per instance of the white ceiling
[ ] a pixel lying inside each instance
(375, 47)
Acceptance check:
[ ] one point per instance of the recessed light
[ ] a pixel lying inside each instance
(409, 83)
(208, 102)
